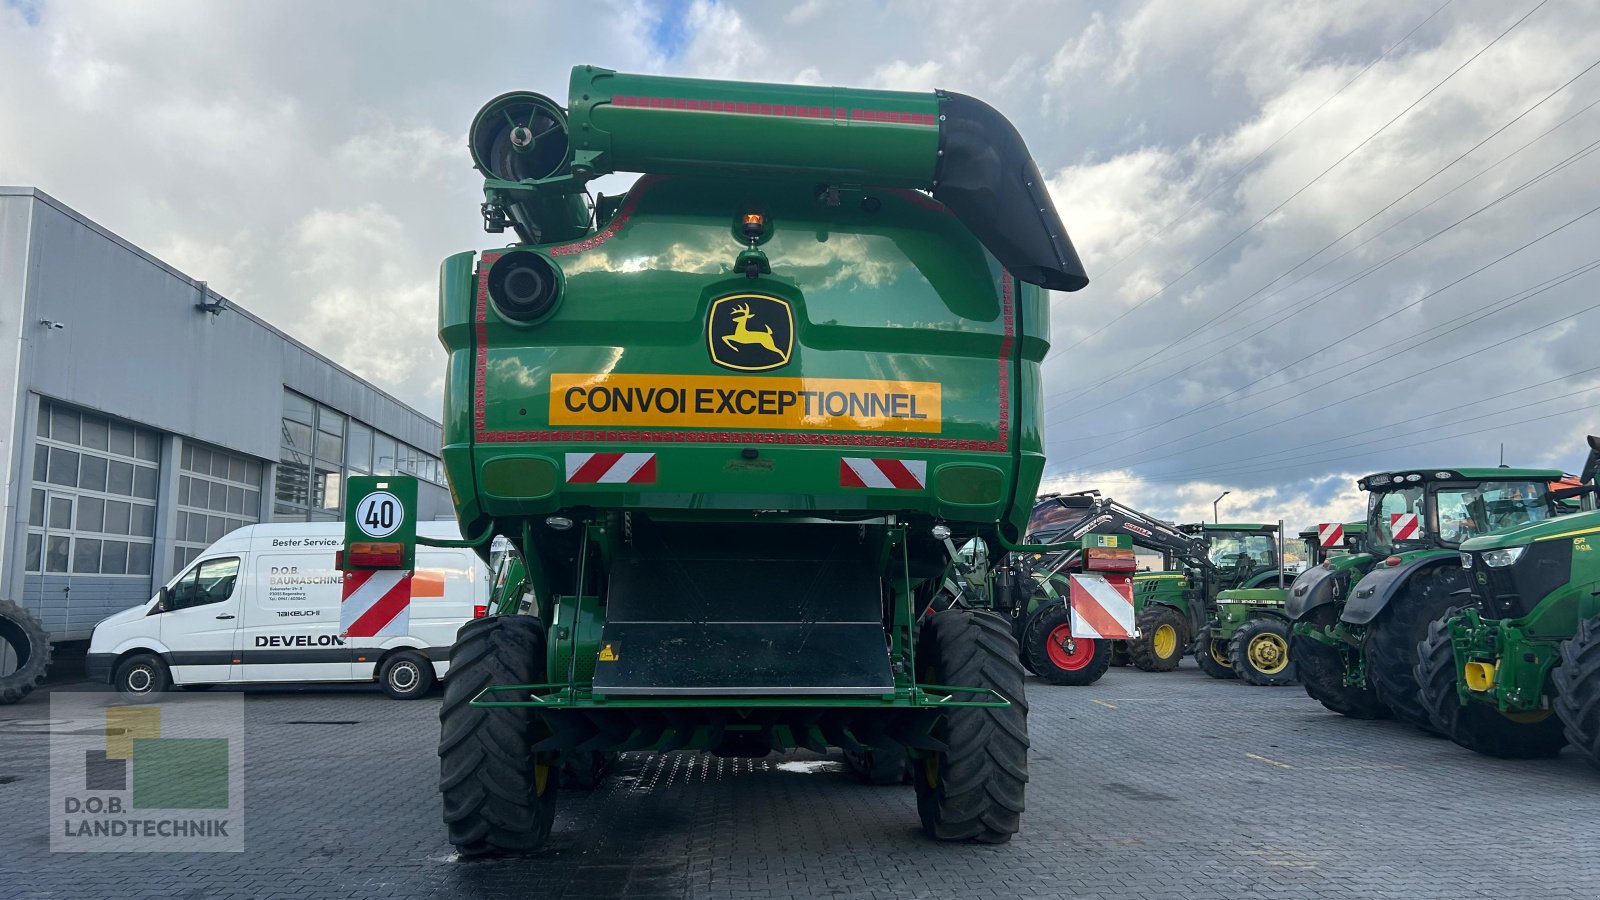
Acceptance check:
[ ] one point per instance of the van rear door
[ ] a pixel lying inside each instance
(291, 621)
(199, 623)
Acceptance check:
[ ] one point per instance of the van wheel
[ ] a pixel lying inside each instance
(141, 675)
(406, 676)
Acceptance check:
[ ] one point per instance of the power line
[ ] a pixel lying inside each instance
(1368, 139)
(1254, 159)
(1390, 205)
(1319, 296)
(1332, 404)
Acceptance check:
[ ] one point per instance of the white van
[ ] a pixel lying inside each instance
(263, 605)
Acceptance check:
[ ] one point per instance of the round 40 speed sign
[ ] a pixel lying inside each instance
(380, 514)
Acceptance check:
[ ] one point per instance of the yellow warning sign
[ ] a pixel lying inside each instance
(729, 401)
(608, 653)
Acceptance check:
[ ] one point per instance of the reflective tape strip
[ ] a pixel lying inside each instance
(611, 468)
(1102, 606)
(895, 474)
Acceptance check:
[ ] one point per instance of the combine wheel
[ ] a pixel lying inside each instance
(973, 789)
(29, 647)
(1321, 670)
(1393, 638)
(878, 767)
(1259, 651)
(498, 797)
(1161, 639)
(1478, 727)
(1056, 655)
(1212, 656)
(1577, 682)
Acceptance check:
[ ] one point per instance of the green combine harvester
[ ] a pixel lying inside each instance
(1358, 618)
(1248, 635)
(1516, 672)
(734, 423)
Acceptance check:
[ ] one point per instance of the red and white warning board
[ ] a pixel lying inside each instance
(1330, 534)
(1405, 526)
(611, 468)
(378, 603)
(1102, 606)
(900, 474)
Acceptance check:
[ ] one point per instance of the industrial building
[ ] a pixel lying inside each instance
(145, 416)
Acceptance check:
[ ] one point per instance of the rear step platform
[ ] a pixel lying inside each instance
(722, 610)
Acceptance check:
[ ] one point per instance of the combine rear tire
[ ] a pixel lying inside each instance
(1393, 638)
(973, 790)
(498, 797)
(1161, 639)
(877, 766)
(1320, 669)
(31, 647)
(1478, 727)
(1259, 651)
(1058, 657)
(1577, 682)
(1212, 655)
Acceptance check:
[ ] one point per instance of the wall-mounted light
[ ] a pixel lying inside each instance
(52, 324)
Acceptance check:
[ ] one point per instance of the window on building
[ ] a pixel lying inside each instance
(218, 492)
(92, 505)
(321, 447)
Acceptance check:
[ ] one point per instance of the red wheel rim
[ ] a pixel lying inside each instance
(1068, 660)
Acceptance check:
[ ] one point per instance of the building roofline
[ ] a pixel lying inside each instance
(124, 243)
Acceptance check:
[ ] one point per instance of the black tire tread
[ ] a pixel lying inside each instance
(1320, 669)
(1393, 638)
(1577, 682)
(1208, 665)
(1238, 651)
(25, 627)
(486, 767)
(983, 773)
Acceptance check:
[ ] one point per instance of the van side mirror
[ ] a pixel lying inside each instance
(163, 604)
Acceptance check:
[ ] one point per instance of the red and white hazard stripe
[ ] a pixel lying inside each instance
(376, 603)
(1330, 534)
(1102, 606)
(901, 474)
(1405, 526)
(611, 468)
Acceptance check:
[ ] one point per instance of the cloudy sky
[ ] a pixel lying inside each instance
(1326, 238)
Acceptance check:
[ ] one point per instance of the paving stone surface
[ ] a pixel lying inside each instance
(1144, 786)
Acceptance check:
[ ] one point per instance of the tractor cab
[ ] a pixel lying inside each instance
(1438, 510)
(1237, 555)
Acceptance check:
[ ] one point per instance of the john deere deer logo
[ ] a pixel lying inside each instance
(750, 332)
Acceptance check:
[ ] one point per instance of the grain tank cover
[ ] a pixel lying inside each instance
(959, 149)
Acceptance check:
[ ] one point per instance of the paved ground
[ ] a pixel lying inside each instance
(1144, 786)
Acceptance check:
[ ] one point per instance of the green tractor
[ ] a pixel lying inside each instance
(1249, 629)
(1358, 618)
(1176, 607)
(732, 423)
(1515, 673)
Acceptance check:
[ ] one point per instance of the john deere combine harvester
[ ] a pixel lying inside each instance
(1248, 635)
(1359, 618)
(731, 423)
(1516, 673)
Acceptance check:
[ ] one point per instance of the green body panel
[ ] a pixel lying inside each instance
(1523, 649)
(1235, 608)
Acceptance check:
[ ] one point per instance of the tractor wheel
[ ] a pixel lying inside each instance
(1320, 669)
(1212, 656)
(29, 645)
(878, 767)
(1260, 652)
(1577, 682)
(1393, 637)
(1056, 655)
(498, 797)
(973, 789)
(1161, 639)
(1478, 727)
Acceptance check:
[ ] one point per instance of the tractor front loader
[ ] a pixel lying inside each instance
(731, 423)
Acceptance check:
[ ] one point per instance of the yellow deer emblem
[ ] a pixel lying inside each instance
(742, 333)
